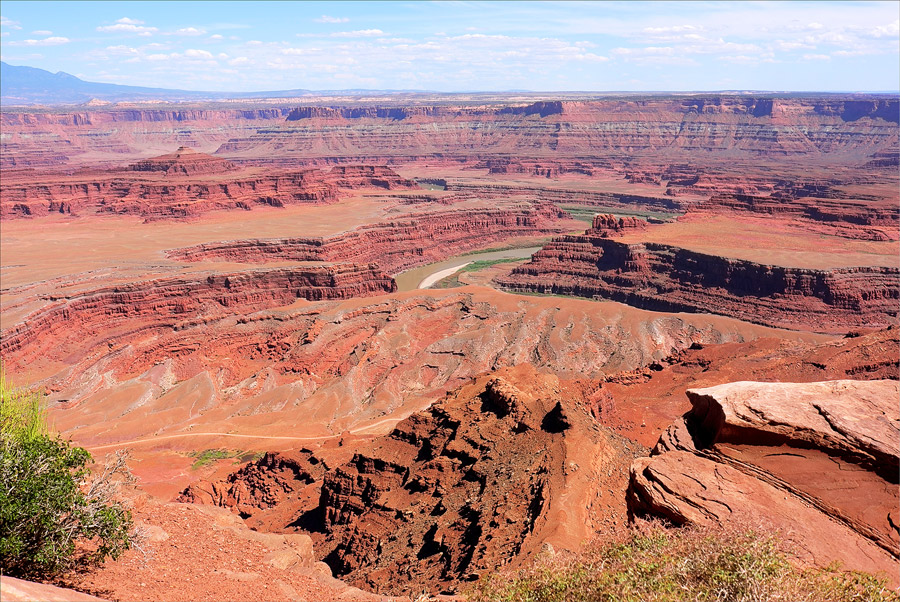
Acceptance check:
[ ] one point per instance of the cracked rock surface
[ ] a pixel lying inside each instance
(816, 461)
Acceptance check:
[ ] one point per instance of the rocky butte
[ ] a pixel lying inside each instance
(672, 306)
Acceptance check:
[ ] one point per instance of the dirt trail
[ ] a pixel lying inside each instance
(182, 435)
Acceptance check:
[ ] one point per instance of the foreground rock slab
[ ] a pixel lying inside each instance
(19, 590)
(816, 461)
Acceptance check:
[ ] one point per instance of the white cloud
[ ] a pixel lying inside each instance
(673, 29)
(190, 31)
(123, 27)
(4, 34)
(884, 31)
(359, 33)
(128, 21)
(158, 57)
(42, 32)
(788, 46)
(52, 41)
(327, 19)
(216, 37)
(241, 60)
(816, 57)
(198, 54)
(849, 53)
(121, 50)
(294, 51)
(4, 22)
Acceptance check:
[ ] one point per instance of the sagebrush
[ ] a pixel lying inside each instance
(54, 515)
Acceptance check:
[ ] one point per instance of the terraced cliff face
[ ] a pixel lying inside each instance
(876, 219)
(483, 478)
(395, 245)
(47, 139)
(817, 460)
(707, 125)
(183, 184)
(711, 125)
(254, 358)
(92, 319)
(668, 278)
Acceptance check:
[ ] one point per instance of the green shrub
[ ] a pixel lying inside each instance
(659, 564)
(53, 516)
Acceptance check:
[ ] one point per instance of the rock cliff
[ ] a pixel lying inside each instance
(394, 245)
(184, 184)
(708, 124)
(483, 478)
(667, 278)
(96, 318)
(817, 460)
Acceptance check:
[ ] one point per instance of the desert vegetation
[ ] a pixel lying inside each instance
(657, 563)
(55, 515)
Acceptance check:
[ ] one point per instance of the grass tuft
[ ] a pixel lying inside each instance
(661, 564)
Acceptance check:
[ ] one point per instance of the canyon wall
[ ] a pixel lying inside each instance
(394, 245)
(667, 278)
(705, 125)
(93, 319)
(184, 185)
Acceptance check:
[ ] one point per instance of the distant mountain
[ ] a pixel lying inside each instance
(28, 85)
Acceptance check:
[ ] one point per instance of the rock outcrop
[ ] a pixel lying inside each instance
(184, 184)
(819, 461)
(481, 479)
(96, 318)
(184, 162)
(394, 245)
(668, 278)
(606, 225)
(854, 219)
(19, 590)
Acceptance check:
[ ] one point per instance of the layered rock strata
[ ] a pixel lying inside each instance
(668, 278)
(819, 461)
(394, 245)
(184, 162)
(125, 359)
(861, 219)
(708, 124)
(93, 319)
(483, 478)
(184, 184)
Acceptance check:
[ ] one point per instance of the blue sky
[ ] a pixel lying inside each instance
(462, 46)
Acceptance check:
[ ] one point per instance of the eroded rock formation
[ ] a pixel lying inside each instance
(667, 278)
(98, 317)
(850, 219)
(184, 162)
(184, 184)
(483, 478)
(395, 245)
(817, 460)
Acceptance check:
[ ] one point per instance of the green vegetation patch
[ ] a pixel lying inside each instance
(208, 456)
(452, 281)
(586, 213)
(662, 564)
(55, 516)
(477, 266)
